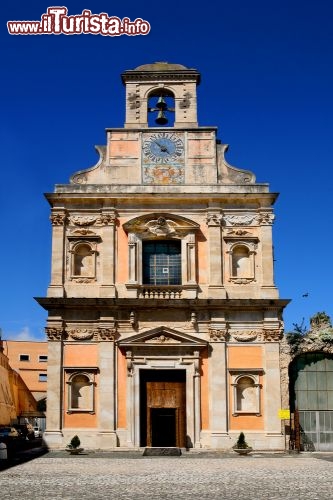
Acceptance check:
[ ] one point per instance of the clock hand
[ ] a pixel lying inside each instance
(162, 147)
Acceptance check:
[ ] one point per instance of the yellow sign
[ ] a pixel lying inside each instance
(284, 414)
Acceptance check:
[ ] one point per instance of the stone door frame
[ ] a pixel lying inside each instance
(161, 361)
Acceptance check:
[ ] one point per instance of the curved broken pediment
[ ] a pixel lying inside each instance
(88, 175)
(229, 174)
(161, 225)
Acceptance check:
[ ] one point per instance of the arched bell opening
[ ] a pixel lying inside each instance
(161, 108)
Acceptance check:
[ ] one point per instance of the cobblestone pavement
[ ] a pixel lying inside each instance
(115, 476)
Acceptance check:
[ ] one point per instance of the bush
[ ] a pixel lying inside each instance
(75, 442)
(241, 444)
(326, 335)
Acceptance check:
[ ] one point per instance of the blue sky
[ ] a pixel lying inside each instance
(267, 83)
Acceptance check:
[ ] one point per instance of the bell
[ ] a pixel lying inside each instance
(161, 104)
(161, 118)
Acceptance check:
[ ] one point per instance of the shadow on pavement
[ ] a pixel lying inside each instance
(323, 456)
(20, 451)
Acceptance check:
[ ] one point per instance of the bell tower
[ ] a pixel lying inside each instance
(169, 90)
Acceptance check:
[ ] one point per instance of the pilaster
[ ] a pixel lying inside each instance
(218, 388)
(58, 219)
(197, 412)
(53, 434)
(214, 218)
(265, 219)
(107, 434)
(272, 396)
(108, 288)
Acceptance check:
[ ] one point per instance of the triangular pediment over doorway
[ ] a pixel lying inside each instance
(162, 336)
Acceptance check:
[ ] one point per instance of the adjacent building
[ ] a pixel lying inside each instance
(16, 401)
(29, 359)
(307, 378)
(164, 320)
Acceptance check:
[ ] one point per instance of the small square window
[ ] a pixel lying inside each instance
(42, 358)
(42, 377)
(24, 357)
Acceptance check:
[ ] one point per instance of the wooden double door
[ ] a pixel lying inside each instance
(164, 410)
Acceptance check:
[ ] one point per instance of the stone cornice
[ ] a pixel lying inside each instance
(50, 303)
(164, 129)
(188, 75)
(120, 194)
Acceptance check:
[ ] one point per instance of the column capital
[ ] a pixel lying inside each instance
(55, 333)
(214, 218)
(58, 217)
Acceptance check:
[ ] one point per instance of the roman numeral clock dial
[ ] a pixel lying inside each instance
(163, 158)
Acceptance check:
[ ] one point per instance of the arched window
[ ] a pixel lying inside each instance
(83, 261)
(241, 256)
(246, 394)
(81, 392)
(241, 264)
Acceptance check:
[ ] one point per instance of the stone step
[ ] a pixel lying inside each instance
(156, 451)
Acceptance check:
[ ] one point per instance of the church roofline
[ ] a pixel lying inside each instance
(160, 66)
(163, 129)
(161, 70)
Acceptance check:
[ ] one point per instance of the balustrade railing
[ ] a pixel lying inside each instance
(159, 292)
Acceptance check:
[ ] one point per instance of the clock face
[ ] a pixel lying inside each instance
(163, 147)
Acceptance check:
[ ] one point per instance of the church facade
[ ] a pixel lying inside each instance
(164, 321)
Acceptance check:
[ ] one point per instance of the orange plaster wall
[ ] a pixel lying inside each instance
(245, 357)
(9, 406)
(125, 148)
(122, 259)
(122, 376)
(13, 349)
(31, 379)
(246, 422)
(204, 391)
(84, 420)
(81, 355)
(123, 144)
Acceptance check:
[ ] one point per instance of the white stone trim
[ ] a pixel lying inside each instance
(236, 378)
(91, 380)
(136, 363)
